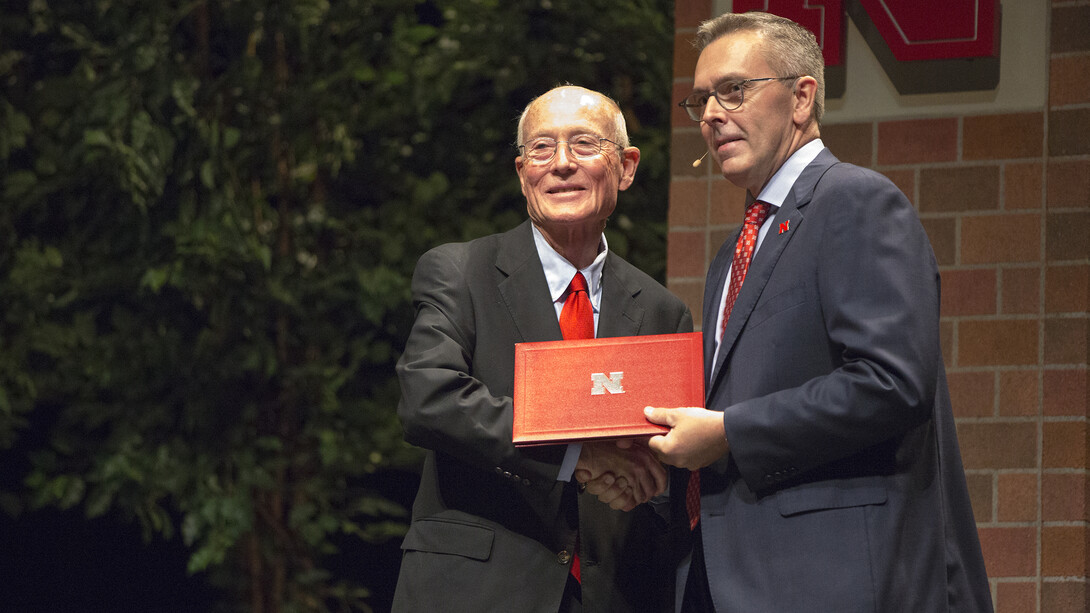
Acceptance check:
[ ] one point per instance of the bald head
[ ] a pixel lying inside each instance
(575, 96)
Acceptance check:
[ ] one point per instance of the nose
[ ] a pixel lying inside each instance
(713, 111)
(563, 157)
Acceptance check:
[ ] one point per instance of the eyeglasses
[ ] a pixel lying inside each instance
(582, 146)
(729, 94)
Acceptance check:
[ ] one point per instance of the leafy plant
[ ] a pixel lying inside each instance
(209, 215)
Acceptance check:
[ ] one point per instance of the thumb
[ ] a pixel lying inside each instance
(660, 416)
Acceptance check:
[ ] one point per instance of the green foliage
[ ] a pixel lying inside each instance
(209, 214)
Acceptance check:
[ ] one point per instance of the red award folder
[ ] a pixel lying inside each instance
(597, 388)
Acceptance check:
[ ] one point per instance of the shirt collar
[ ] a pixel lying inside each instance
(559, 271)
(781, 183)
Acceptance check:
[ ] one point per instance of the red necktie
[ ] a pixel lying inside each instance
(576, 322)
(756, 213)
(577, 317)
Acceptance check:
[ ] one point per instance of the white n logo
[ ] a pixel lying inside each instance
(602, 383)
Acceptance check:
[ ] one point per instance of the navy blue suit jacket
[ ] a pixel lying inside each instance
(843, 489)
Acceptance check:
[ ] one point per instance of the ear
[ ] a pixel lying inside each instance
(630, 159)
(805, 94)
(520, 165)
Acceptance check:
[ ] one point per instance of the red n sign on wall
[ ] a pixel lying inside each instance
(925, 46)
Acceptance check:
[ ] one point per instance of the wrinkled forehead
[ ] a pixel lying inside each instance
(569, 110)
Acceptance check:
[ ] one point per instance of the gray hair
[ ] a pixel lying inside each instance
(789, 48)
(620, 129)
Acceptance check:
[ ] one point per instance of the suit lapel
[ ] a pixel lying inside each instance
(523, 288)
(621, 313)
(788, 219)
(716, 281)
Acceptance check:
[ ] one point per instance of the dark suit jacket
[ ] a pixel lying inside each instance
(843, 489)
(491, 524)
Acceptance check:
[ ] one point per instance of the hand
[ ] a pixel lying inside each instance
(695, 440)
(622, 474)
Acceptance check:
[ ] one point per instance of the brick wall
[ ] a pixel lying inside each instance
(1005, 199)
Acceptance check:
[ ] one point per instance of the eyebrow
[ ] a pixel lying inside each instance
(723, 79)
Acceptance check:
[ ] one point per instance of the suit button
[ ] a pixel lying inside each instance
(526, 482)
(506, 474)
(563, 557)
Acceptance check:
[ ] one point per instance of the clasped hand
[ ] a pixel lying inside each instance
(622, 474)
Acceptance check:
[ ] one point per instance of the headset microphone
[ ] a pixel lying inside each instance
(697, 162)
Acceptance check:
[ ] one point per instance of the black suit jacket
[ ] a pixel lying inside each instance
(491, 525)
(843, 489)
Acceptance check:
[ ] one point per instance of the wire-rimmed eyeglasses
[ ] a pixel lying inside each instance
(729, 94)
(582, 146)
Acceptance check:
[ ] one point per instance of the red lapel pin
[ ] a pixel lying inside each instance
(784, 226)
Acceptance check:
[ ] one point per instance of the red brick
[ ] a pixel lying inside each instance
(946, 339)
(1064, 444)
(980, 496)
(1017, 497)
(1068, 183)
(1014, 237)
(690, 13)
(942, 232)
(688, 203)
(1063, 551)
(1021, 291)
(1063, 497)
(968, 292)
(1065, 341)
(997, 137)
(972, 394)
(1067, 130)
(685, 254)
(1067, 288)
(678, 117)
(1016, 597)
(1009, 552)
(1070, 28)
(1067, 80)
(1023, 186)
(1004, 342)
(1018, 393)
(959, 189)
(905, 180)
(691, 292)
(998, 445)
(1065, 392)
(851, 142)
(1066, 235)
(716, 240)
(917, 141)
(685, 55)
(728, 203)
(1064, 596)
(687, 145)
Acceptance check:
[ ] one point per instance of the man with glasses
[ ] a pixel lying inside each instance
(500, 528)
(824, 472)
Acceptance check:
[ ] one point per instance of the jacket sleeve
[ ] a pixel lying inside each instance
(444, 407)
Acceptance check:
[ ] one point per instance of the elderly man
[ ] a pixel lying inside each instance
(825, 469)
(500, 528)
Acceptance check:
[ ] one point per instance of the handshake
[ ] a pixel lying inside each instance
(628, 472)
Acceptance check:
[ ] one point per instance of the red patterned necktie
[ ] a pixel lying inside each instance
(576, 322)
(756, 213)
